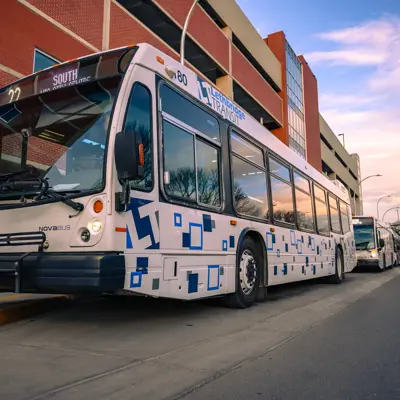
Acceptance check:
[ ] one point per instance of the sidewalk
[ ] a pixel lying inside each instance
(14, 307)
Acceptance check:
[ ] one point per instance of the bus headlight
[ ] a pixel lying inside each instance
(95, 226)
(373, 254)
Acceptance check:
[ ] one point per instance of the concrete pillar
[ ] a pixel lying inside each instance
(225, 85)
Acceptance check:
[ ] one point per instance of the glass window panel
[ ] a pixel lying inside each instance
(207, 174)
(138, 118)
(335, 219)
(250, 189)
(278, 169)
(344, 217)
(42, 61)
(332, 202)
(305, 217)
(282, 201)
(182, 109)
(179, 164)
(322, 217)
(247, 150)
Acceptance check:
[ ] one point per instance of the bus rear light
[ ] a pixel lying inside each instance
(141, 154)
(233, 222)
(98, 206)
(120, 229)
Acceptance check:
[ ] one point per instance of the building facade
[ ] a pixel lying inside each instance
(339, 165)
(263, 76)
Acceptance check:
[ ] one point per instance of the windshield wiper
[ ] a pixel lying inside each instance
(46, 191)
(29, 170)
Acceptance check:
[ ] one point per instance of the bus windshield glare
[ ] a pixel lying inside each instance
(57, 122)
(364, 237)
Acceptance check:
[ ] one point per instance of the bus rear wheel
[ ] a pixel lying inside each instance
(339, 268)
(248, 269)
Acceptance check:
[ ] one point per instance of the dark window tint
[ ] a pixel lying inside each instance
(301, 182)
(282, 201)
(247, 150)
(250, 189)
(334, 212)
(42, 61)
(179, 107)
(279, 169)
(138, 119)
(180, 179)
(305, 217)
(207, 174)
(321, 210)
(344, 217)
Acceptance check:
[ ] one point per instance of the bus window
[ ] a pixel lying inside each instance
(282, 195)
(250, 185)
(344, 217)
(138, 118)
(334, 213)
(304, 207)
(321, 210)
(191, 155)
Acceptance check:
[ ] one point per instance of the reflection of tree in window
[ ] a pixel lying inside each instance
(282, 196)
(250, 189)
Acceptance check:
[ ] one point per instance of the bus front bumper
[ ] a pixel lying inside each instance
(368, 262)
(63, 272)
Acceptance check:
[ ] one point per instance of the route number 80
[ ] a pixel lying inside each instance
(182, 78)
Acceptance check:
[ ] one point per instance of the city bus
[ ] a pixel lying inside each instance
(375, 244)
(126, 172)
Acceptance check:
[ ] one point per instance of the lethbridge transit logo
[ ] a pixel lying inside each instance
(217, 101)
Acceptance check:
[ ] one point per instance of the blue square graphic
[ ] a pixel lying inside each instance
(224, 245)
(191, 226)
(207, 223)
(136, 280)
(193, 283)
(178, 220)
(213, 267)
(270, 243)
(142, 265)
(232, 242)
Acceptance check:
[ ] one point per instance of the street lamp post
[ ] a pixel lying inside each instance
(185, 27)
(377, 204)
(370, 176)
(390, 209)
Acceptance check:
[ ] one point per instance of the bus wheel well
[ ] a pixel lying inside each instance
(259, 241)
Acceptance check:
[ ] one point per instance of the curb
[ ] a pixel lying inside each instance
(31, 307)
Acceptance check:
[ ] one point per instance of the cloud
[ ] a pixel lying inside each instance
(367, 110)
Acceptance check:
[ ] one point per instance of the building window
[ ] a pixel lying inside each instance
(294, 84)
(42, 60)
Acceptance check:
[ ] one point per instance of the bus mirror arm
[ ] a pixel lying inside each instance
(127, 161)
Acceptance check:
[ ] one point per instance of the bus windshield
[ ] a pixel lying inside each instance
(364, 237)
(62, 134)
(55, 123)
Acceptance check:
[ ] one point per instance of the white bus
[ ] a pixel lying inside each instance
(126, 171)
(375, 243)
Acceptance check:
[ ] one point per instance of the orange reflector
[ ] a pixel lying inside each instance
(160, 60)
(98, 206)
(272, 229)
(141, 154)
(120, 229)
(233, 222)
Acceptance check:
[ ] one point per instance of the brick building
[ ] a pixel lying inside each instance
(265, 77)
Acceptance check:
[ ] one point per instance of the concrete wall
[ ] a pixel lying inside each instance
(348, 173)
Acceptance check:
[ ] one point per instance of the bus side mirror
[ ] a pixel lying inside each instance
(381, 243)
(129, 156)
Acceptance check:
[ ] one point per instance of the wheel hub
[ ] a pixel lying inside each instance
(248, 272)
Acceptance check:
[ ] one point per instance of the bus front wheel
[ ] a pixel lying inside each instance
(248, 268)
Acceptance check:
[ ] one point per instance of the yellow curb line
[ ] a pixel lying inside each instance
(25, 309)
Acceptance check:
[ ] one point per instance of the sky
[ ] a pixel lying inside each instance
(353, 48)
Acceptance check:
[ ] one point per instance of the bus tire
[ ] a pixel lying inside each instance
(339, 276)
(248, 272)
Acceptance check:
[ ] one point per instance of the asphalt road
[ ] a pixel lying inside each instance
(355, 354)
(310, 340)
